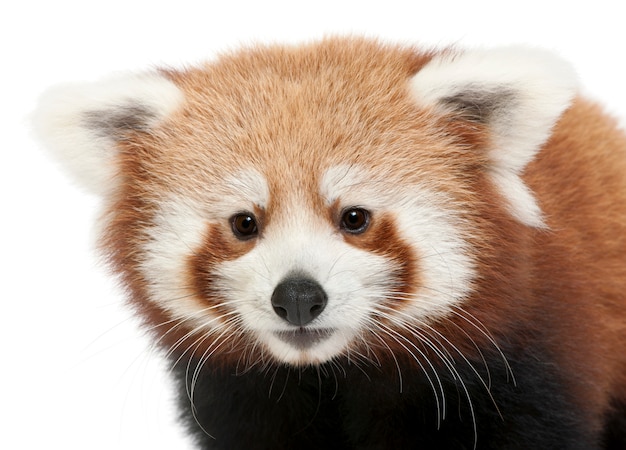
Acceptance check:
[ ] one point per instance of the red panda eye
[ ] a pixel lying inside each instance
(244, 226)
(355, 220)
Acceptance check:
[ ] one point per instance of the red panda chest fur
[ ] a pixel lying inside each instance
(355, 245)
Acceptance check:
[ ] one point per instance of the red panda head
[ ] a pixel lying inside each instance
(299, 204)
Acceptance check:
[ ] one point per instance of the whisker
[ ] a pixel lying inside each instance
(397, 337)
(460, 312)
(384, 343)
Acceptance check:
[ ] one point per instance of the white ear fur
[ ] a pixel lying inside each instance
(81, 123)
(520, 93)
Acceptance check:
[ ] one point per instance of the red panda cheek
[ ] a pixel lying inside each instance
(218, 247)
(383, 238)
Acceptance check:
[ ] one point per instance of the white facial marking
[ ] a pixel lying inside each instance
(177, 232)
(242, 191)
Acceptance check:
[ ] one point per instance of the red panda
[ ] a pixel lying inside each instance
(350, 244)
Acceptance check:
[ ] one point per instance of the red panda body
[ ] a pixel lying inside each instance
(355, 245)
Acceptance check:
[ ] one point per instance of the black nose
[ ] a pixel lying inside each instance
(299, 300)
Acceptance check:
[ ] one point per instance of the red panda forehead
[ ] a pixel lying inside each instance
(294, 151)
(303, 100)
(332, 66)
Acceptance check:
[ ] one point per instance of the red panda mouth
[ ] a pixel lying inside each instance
(303, 338)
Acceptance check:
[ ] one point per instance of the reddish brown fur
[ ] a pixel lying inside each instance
(382, 239)
(571, 276)
(216, 249)
(585, 163)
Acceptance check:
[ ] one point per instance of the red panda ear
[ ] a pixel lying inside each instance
(518, 93)
(81, 123)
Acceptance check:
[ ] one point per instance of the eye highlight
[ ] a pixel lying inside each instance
(244, 226)
(355, 220)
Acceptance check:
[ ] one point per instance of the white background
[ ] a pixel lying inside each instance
(75, 371)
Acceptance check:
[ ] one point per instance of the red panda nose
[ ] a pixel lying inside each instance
(299, 300)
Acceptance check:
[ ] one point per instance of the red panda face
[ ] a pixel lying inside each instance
(305, 276)
(303, 204)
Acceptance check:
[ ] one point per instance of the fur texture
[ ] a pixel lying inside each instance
(348, 244)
